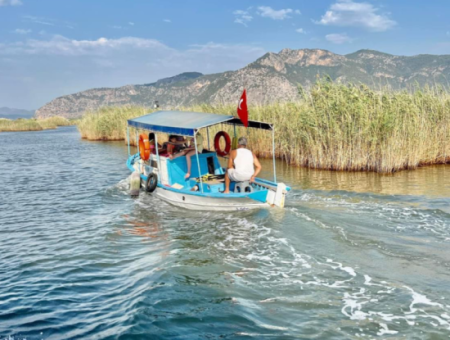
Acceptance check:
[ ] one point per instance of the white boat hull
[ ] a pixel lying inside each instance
(194, 202)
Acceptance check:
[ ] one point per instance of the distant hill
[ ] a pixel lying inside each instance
(7, 112)
(273, 77)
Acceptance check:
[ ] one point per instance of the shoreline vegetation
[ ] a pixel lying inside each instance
(333, 126)
(21, 124)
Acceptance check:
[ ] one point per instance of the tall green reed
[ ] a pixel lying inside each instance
(333, 126)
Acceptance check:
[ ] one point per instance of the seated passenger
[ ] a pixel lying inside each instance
(151, 138)
(190, 151)
(243, 165)
(170, 145)
(181, 142)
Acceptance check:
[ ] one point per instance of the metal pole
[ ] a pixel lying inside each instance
(157, 158)
(128, 139)
(207, 135)
(273, 153)
(198, 161)
(137, 141)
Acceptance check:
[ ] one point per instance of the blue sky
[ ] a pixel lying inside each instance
(50, 48)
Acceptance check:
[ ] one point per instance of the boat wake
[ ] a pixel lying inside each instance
(276, 274)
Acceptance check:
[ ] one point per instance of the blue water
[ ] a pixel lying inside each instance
(351, 256)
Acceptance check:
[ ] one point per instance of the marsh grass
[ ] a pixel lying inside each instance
(32, 124)
(108, 123)
(333, 126)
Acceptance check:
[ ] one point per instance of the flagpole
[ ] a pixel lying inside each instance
(273, 154)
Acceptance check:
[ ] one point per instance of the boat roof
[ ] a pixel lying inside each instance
(186, 123)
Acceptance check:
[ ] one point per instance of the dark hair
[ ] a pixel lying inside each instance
(172, 136)
(151, 136)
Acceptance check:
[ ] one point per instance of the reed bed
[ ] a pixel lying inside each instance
(108, 123)
(8, 125)
(333, 126)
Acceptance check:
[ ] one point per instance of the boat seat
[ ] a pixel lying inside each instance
(241, 187)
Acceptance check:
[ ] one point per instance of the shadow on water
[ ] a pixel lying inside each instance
(352, 255)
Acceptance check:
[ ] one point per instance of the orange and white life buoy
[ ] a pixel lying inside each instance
(144, 147)
(227, 149)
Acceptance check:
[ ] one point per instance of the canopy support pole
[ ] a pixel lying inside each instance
(198, 161)
(273, 154)
(137, 140)
(207, 135)
(157, 158)
(128, 140)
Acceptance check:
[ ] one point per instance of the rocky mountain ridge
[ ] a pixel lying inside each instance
(273, 77)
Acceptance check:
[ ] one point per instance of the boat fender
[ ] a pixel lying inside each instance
(135, 184)
(227, 149)
(151, 183)
(144, 147)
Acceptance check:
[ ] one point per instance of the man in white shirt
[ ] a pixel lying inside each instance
(243, 165)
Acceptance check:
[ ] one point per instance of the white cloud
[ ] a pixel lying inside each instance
(22, 31)
(167, 20)
(117, 27)
(131, 23)
(359, 14)
(59, 65)
(242, 17)
(47, 22)
(281, 14)
(10, 2)
(300, 30)
(60, 45)
(219, 56)
(38, 20)
(337, 38)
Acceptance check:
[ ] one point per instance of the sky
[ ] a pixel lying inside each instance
(51, 48)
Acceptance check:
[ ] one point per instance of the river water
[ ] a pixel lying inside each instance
(353, 255)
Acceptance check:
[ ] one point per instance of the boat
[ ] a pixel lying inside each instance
(165, 177)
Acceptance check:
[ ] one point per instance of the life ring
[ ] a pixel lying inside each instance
(144, 147)
(151, 182)
(227, 149)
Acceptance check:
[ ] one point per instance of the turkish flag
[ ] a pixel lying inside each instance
(242, 109)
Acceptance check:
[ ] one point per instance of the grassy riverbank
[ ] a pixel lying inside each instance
(334, 126)
(8, 125)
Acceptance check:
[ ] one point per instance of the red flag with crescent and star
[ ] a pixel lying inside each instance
(242, 109)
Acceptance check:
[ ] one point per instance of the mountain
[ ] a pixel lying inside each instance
(6, 112)
(273, 77)
(176, 79)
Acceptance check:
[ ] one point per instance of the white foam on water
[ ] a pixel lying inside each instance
(385, 330)
(399, 218)
(352, 307)
(349, 270)
(419, 299)
(258, 257)
(269, 260)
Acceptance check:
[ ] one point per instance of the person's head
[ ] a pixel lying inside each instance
(242, 142)
(172, 138)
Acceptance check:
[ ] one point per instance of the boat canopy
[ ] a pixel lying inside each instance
(186, 123)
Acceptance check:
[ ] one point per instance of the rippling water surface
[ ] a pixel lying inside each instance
(353, 255)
